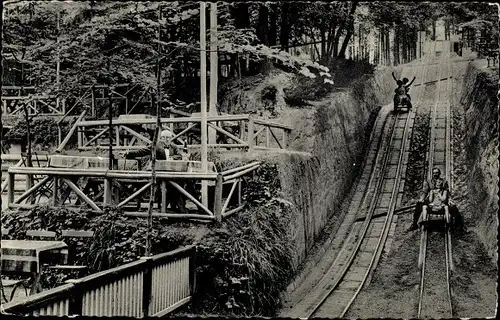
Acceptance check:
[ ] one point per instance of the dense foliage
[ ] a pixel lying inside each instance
(117, 240)
(43, 130)
(246, 262)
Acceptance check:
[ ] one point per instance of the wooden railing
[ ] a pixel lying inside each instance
(81, 175)
(36, 105)
(152, 286)
(232, 132)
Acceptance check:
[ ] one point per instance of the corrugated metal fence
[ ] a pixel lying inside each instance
(152, 286)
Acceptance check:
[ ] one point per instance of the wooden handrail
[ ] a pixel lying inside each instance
(227, 172)
(119, 174)
(179, 252)
(39, 300)
(272, 124)
(241, 173)
(162, 120)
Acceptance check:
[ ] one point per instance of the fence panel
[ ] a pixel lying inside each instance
(171, 281)
(152, 286)
(54, 302)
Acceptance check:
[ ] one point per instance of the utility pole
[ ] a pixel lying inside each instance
(58, 64)
(203, 96)
(108, 189)
(213, 69)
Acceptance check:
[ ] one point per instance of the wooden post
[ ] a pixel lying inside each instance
(171, 125)
(11, 186)
(29, 184)
(218, 198)
(239, 191)
(242, 130)
(192, 272)
(94, 102)
(127, 98)
(107, 191)
(251, 133)
(147, 285)
(267, 137)
(203, 82)
(213, 69)
(284, 139)
(139, 168)
(55, 192)
(58, 59)
(163, 196)
(79, 136)
(117, 133)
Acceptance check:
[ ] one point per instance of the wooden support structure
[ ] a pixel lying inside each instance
(190, 197)
(223, 204)
(218, 198)
(203, 94)
(30, 191)
(134, 195)
(71, 131)
(251, 136)
(81, 194)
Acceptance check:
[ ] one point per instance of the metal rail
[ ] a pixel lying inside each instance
(447, 164)
(382, 236)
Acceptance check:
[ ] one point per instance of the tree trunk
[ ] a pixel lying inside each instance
(263, 24)
(285, 26)
(350, 30)
(240, 15)
(273, 25)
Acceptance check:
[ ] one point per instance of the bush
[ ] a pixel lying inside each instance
(244, 265)
(117, 239)
(44, 132)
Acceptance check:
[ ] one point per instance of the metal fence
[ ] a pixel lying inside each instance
(152, 286)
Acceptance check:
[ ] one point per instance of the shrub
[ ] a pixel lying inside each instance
(244, 265)
(117, 239)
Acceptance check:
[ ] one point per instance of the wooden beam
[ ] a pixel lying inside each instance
(184, 131)
(230, 212)
(275, 138)
(28, 192)
(233, 187)
(134, 195)
(251, 132)
(227, 172)
(136, 134)
(81, 194)
(273, 124)
(90, 123)
(96, 137)
(241, 173)
(190, 197)
(218, 199)
(230, 135)
(186, 216)
(71, 131)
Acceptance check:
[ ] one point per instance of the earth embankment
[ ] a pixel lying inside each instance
(480, 143)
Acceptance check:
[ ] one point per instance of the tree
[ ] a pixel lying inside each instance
(122, 35)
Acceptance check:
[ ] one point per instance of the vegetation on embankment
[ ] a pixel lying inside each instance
(480, 143)
(331, 125)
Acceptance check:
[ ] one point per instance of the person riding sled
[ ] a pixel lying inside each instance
(435, 194)
(403, 89)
